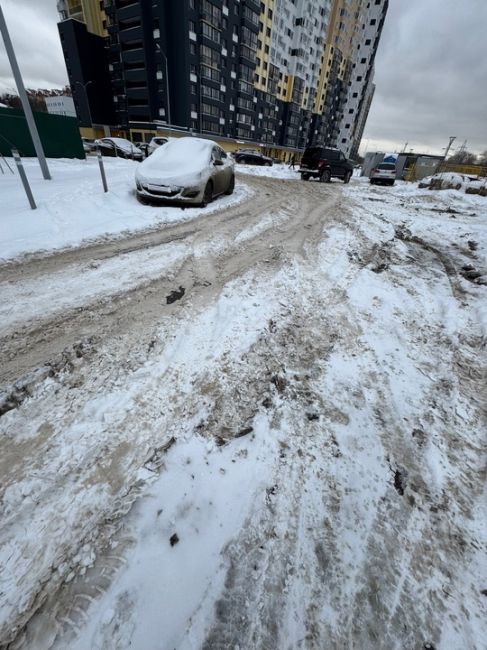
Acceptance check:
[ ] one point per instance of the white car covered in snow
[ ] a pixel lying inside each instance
(185, 170)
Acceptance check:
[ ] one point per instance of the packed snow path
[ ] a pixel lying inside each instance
(260, 428)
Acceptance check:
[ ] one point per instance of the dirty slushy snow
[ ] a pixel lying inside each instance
(290, 455)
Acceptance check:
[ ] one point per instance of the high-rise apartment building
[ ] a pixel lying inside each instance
(279, 72)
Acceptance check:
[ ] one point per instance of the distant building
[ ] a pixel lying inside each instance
(278, 72)
(60, 105)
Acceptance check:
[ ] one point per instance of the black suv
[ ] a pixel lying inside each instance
(323, 163)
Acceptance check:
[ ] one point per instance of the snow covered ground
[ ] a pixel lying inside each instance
(73, 209)
(289, 455)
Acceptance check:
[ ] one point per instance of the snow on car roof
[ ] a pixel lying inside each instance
(122, 143)
(181, 153)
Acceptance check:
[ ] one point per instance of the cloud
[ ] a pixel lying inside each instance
(33, 29)
(431, 76)
(431, 69)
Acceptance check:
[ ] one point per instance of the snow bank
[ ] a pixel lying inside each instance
(452, 180)
(276, 171)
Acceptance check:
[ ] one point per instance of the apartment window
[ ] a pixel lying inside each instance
(192, 49)
(211, 33)
(359, 78)
(209, 109)
(373, 21)
(363, 60)
(269, 14)
(377, 2)
(268, 31)
(192, 26)
(368, 41)
(350, 111)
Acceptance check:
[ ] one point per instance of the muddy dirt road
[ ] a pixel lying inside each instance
(302, 351)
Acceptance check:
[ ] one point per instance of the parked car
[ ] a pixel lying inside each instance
(384, 173)
(119, 147)
(252, 157)
(186, 171)
(143, 146)
(324, 163)
(155, 143)
(88, 145)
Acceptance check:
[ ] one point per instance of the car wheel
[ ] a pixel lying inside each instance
(231, 185)
(268, 164)
(208, 195)
(347, 177)
(325, 176)
(142, 199)
(305, 177)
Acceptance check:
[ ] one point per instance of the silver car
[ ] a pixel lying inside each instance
(185, 171)
(384, 173)
(155, 143)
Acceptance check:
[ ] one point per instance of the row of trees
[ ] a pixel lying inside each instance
(36, 98)
(464, 157)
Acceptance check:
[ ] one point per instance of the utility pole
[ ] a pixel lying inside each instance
(452, 138)
(23, 98)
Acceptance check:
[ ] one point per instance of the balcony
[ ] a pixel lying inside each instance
(139, 94)
(139, 74)
(134, 56)
(131, 34)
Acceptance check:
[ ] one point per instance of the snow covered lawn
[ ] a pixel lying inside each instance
(73, 209)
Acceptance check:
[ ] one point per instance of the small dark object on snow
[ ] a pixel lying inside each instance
(220, 441)
(165, 447)
(244, 432)
(473, 245)
(312, 416)
(484, 592)
(399, 482)
(379, 268)
(428, 646)
(175, 295)
(267, 403)
(279, 382)
(472, 274)
(174, 539)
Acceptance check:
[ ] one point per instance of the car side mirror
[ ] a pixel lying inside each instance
(217, 162)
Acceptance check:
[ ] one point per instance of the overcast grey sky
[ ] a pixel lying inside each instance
(431, 69)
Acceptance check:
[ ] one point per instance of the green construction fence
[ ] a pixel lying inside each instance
(59, 135)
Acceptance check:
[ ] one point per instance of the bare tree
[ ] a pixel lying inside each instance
(482, 159)
(463, 157)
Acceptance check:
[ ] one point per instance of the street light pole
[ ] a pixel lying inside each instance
(159, 49)
(452, 138)
(34, 134)
(85, 86)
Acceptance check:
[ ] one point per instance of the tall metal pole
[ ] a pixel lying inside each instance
(23, 98)
(452, 138)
